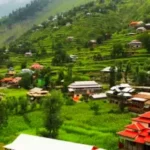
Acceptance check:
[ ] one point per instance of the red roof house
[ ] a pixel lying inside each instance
(37, 66)
(136, 136)
(6, 80)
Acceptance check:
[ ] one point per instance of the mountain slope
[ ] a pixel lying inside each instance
(55, 6)
(105, 22)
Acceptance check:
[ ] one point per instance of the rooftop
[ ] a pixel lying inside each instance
(83, 84)
(30, 142)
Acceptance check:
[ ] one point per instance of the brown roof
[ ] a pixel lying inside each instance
(147, 102)
(6, 80)
(11, 72)
(37, 92)
(144, 95)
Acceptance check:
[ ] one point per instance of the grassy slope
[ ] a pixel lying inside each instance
(80, 125)
(56, 6)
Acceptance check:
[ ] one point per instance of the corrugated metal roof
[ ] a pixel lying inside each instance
(30, 142)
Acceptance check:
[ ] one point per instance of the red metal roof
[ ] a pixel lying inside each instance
(129, 134)
(146, 115)
(145, 132)
(147, 139)
(141, 119)
(140, 139)
(136, 126)
(137, 131)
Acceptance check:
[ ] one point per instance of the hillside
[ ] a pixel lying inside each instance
(11, 30)
(106, 22)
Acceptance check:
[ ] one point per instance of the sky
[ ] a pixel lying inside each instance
(7, 6)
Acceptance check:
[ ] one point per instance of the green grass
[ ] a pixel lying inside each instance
(80, 125)
(13, 92)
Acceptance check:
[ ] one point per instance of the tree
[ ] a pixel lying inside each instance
(127, 70)
(26, 80)
(60, 57)
(112, 77)
(95, 107)
(52, 110)
(117, 51)
(61, 76)
(145, 39)
(122, 103)
(23, 65)
(142, 78)
(3, 114)
(119, 71)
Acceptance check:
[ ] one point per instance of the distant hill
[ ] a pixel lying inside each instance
(75, 31)
(92, 21)
(37, 11)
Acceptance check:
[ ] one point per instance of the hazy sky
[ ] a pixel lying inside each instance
(7, 6)
(13, 1)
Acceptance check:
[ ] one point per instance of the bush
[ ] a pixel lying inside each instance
(42, 132)
(95, 108)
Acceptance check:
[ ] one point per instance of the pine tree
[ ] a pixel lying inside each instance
(52, 109)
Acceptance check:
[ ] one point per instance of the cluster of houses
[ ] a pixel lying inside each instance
(12, 80)
(140, 27)
(136, 100)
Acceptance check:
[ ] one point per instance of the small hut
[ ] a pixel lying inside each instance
(135, 44)
(140, 29)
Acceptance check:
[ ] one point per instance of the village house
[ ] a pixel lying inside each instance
(84, 87)
(135, 44)
(73, 57)
(136, 136)
(70, 38)
(108, 69)
(10, 82)
(92, 43)
(131, 33)
(37, 66)
(105, 73)
(37, 93)
(147, 26)
(118, 92)
(140, 102)
(5, 81)
(140, 29)
(142, 88)
(68, 24)
(98, 96)
(11, 72)
(30, 142)
(28, 54)
(136, 24)
(28, 71)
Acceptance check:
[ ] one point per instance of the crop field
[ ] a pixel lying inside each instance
(80, 124)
